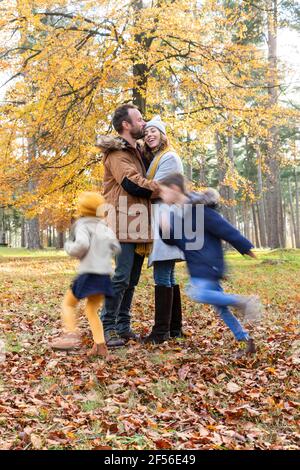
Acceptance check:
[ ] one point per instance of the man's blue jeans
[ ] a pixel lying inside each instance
(164, 273)
(210, 292)
(115, 314)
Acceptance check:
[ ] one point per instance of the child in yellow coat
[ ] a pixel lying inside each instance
(94, 244)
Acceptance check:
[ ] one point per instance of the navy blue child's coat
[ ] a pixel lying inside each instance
(208, 261)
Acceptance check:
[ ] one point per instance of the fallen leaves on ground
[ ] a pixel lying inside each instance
(184, 394)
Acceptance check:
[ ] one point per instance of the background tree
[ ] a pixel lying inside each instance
(202, 65)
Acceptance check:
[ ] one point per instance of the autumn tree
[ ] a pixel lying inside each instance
(190, 61)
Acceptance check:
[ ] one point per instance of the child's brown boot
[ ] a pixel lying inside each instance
(249, 349)
(67, 342)
(98, 350)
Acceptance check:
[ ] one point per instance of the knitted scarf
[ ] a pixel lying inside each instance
(144, 249)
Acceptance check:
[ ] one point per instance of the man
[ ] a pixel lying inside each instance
(125, 185)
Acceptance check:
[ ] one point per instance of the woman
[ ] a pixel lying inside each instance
(168, 316)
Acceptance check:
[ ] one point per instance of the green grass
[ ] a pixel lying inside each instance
(286, 255)
(263, 254)
(164, 389)
(21, 252)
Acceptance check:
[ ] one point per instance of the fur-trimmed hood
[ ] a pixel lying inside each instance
(110, 143)
(209, 197)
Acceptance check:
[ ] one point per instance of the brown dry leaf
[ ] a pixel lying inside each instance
(232, 387)
(183, 372)
(163, 444)
(133, 373)
(144, 393)
(36, 441)
(52, 364)
(159, 407)
(271, 370)
(204, 432)
(100, 447)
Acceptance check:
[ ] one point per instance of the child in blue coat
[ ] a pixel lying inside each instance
(203, 251)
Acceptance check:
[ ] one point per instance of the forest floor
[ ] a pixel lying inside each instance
(184, 394)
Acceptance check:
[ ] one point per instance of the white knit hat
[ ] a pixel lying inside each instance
(158, 123)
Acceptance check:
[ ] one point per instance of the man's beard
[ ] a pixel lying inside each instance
(137, 133)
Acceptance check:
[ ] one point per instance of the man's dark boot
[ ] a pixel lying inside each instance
(129, 336)
(113, 340)
(176, 315)
(163, 308)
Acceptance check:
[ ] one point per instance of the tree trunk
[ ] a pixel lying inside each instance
(292, 229)
(283, 220)
(226, 192)
(275, 230)
(139, 90)
(9, 238)
(273, 205)
(140, 68)
(202, 172)
(189, 172)
(260, 203)
(60, 239)
(32, 225)
(218, 145)
(189, 164)
(293, 219)
(23, 233)
(49, 238)
(222, 172)
(246, 220)
(255, 224)
(2, 227)
(33, 234)
(297, 214)
(42, 237)
(231, 193)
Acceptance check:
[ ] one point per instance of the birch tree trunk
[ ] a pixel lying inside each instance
(292, 214)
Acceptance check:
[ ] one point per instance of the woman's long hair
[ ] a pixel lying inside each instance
(163, 144)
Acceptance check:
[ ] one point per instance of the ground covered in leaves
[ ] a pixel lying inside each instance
(186, 394)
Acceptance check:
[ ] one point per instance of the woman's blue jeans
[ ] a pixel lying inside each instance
(210, 292)
(164, 273)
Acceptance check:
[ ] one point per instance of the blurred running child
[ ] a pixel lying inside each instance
(94, 244)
